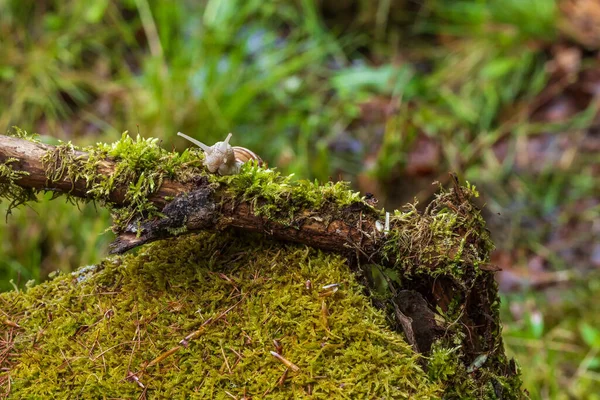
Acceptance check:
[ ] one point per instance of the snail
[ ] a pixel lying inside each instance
(223, 158)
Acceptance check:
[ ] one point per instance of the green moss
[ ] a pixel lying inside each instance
(280, 197)
(9, 190)
(251, 292)
(445, 367)
(82, 333)
(22, 134)
(476, 381)
(448, 238)
(141, 165)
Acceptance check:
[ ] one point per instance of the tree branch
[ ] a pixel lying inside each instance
(29, 157)
(216, 210)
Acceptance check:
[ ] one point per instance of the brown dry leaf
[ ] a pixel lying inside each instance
(424, 157)
(580, 20)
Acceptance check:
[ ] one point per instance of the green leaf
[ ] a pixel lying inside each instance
(95, 11)
(589, 334)
(387, 79)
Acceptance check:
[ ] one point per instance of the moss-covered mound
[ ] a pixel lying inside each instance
(114, 330)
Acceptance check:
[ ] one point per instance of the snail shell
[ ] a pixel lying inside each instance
(223, 158)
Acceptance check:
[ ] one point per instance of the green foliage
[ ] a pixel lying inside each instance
(557, 342)
(216, 71)
(118, 316)
(467, 97)
(380, 279)
(47, 51)
(50, 235)
(515, 20)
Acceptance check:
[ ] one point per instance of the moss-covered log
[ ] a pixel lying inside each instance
(195, 202)
(428, 271)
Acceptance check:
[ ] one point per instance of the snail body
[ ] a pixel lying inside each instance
(222, 158)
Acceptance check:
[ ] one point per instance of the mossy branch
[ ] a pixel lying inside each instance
(31, 158)
(331, 218)
(96, 176)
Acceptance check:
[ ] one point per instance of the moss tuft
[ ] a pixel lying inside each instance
(15, 194)
(445, 367)
(23, 134)
(9, 190)
(448, 238)
(280, 197)
(141, 165)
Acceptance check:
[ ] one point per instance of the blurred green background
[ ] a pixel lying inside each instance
(388, 94)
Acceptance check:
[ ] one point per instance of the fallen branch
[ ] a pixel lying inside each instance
(194, 206)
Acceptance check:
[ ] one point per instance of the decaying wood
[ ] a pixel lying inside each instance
(195, 205)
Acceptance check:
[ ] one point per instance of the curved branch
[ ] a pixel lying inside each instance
(174, 199)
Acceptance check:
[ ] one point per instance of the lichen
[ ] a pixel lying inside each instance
(93, 334)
